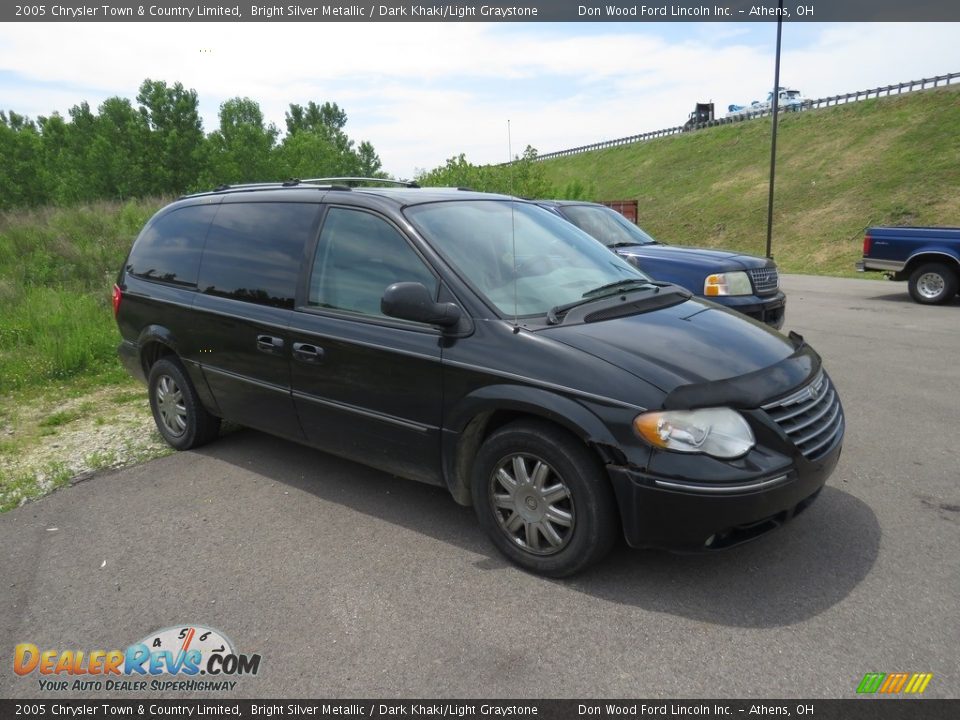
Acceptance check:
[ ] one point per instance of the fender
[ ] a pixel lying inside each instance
(158, 333)
(949, 252)
(163, 336)
(466, 423)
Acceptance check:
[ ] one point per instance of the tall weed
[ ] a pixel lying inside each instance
(57, 267)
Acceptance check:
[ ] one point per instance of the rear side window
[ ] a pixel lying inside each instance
(254, 250)
(168, 250)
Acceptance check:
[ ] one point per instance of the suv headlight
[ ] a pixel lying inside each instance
(731, 283)
(719, 432)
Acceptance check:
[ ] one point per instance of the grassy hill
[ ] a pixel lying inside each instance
(883, 161)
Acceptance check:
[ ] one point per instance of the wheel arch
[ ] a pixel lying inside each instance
(930, 255)
(158, 341)
(483, 412)
(155, 342)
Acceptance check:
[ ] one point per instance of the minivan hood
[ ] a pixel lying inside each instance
(692, 343)
(710, 261)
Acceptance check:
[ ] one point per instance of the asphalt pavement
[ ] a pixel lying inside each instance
(351, 583)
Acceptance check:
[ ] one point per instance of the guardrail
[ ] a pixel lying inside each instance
(912, 86)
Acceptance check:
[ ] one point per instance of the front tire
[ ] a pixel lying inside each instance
(933, 284)
(543, 499)
(181, 418)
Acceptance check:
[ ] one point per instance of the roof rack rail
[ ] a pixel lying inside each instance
(274, 185)
(386, 181)
(238, 186)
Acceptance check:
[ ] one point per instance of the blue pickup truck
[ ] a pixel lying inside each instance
(928, 258)
(746, 283)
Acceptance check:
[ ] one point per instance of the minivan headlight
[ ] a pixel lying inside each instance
(730, 283)
(719, 432)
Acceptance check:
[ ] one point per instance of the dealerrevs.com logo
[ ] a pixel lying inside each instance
(172, 659)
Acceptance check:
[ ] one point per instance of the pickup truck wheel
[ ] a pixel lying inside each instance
(181, 418)
(933, 284)
(543, 499)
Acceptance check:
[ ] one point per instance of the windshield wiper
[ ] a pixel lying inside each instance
(632, 243)
(556, 312)
(611, 288)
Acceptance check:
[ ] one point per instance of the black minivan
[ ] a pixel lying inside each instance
(483, 344)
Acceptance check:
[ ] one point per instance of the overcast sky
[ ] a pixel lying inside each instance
(422, 93)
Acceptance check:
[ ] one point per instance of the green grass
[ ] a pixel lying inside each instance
(57, 268)
(60, 418)
(31, 485)
(882, 161)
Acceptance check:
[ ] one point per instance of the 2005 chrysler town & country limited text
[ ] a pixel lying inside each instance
(483, 344)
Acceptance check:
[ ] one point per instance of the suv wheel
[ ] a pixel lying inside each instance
(543, 500)
(933, 284)
(181, 419)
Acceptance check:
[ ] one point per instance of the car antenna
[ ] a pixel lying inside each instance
(513, 231)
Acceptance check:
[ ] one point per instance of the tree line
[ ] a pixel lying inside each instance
(523, 177)
(158, 147)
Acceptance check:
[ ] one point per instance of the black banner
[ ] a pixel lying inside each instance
(853, 709)
(489, 11)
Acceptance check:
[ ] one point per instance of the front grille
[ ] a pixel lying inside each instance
(811, 417)
(765, 280)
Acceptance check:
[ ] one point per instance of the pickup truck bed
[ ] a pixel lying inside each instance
(928, 258)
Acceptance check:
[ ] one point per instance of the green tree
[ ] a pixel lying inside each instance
(316, 145)
(21, 182)
(57, 166)
(369, 161)
(120, 135)
(175, 137)
(328, 118)
(524, 177)
(308, 155)
(242, 149)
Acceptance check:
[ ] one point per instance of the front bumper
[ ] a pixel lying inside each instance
(664, 513)
(770, 309)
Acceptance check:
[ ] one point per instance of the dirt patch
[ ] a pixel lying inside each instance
(48, 441)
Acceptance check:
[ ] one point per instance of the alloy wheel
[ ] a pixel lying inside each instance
(532, 504)
(173, 411)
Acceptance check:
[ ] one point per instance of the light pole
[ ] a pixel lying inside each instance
(775, 109)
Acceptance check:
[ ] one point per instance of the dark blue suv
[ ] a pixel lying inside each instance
(745, 283)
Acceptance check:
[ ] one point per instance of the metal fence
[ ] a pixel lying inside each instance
(911, 86)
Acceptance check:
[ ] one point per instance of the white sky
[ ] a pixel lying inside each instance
(422, 93)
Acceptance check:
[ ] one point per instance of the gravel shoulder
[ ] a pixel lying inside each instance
(60, 436)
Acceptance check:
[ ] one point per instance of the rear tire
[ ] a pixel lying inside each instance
(180, 416)
(543, 499)
(933, 283)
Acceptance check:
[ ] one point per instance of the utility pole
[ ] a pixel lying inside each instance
(775, 109)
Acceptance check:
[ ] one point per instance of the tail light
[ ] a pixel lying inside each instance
(117, 297)
(867, 243)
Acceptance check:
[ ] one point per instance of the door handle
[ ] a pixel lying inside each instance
(305, 352)
(270, 344)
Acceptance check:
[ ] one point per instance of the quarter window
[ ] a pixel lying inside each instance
(359, 255)
(169, 248)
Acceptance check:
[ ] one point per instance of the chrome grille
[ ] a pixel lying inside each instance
(811, 417)
(765, 280)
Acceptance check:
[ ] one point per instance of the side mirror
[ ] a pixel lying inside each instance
(412, 301)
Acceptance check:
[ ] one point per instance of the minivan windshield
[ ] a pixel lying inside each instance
(606, 225)
(522, 258)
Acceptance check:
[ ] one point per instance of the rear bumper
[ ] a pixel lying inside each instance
(891, 266)
(129, 355)
(664, 513)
